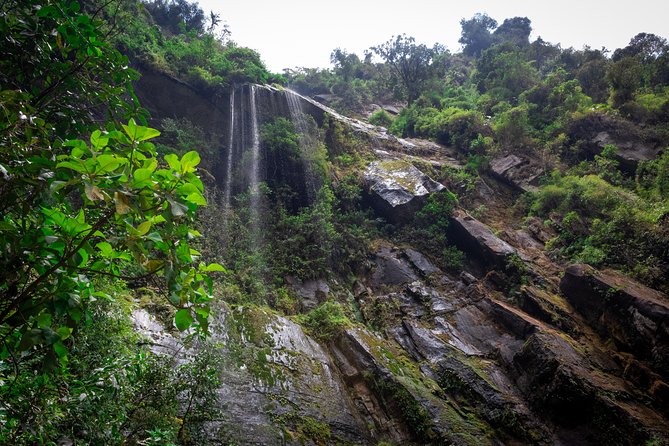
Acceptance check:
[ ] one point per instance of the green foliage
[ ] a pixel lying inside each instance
(326, 321)
(411, 63)
(193, 54)
(177, 16)
(428, 230)
(179, 136)
(652, 178)
(504, 73)
(279, 136)
(111, 391)
(381, 118)
(605, 224)
(75, 209)
(307, 240)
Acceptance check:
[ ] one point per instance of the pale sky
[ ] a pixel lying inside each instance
(303, 33)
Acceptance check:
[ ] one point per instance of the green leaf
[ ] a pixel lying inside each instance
(44, 320)
(138, 132)
(142, 175)
(143, 228)
(174, 299)
(212, 267)
(99, 140)
(105, 249)
(197, 198)
(177, 209)
(78, 166)
(79, 147)
(173, 162)
(108, 163)
(60, 349)
(183, 319)
(155, 237)
(6, 226)
(189, 161)
(64, 332)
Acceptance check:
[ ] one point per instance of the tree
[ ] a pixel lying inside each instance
(411, 63)
(475, 35)
(504, 73)
(81, 198)
(346, 64)
(625, 78)
(515, 30)
(178, 16)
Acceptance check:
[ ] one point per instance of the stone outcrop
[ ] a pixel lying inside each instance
(634, 316)
(629, 152)
(518, 172)
(396, 189)
(478, 240)
(278, 386)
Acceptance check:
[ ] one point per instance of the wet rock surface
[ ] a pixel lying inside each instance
(396, 189)
(633, 315)
(475, 238)
(519, 172)
(275, 380)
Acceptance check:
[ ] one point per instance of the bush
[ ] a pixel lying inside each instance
(325, 321)
(604, 224)
(381, 118)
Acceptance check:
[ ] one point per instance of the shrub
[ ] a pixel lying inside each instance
(381, 118)
(326, 321)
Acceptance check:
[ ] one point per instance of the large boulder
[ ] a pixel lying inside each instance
(633, 315)
(519, 173)
(629, 153)
(396, 189)
(477, 240)
(277, 385)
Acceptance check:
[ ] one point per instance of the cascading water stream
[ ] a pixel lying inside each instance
(231, 153)
(308, 142)
(254, 168)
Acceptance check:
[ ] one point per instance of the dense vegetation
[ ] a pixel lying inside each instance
(504, 94)
(88, 205)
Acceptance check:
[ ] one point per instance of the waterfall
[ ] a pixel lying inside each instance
(308, 142)
(231, 152)
(254, 169)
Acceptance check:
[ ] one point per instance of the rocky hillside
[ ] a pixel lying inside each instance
(506, 347)
(466, 248)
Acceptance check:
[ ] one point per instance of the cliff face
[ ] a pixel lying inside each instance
(511, 349)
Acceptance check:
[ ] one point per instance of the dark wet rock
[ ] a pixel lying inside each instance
(420, 262)
(538, 230)
(590, 133)
(273, 377)
(403, 408)
(518, 172)
(633, 315)
(396, 189)
(326, 99)
(629, 153)
(556, 378)
(391, 269)
(478, 241)
(311, 292)
(467, 277)
(548, 308)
